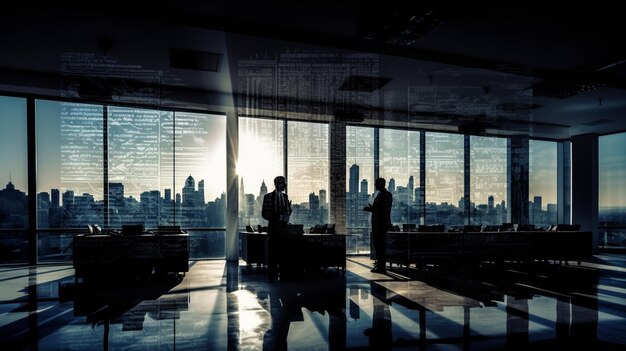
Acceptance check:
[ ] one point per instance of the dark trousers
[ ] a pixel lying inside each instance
(276, 250)
(379, 237)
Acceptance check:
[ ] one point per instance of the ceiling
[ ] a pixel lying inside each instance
(548, 72)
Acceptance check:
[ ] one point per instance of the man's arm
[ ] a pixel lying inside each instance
(267, 210)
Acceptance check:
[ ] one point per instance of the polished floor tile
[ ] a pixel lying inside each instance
(220, 306)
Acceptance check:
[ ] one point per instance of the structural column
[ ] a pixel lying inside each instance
(32, 181)
(564, 183)
(585, 184)
(232, 186)
(517, 176)
(338, 214)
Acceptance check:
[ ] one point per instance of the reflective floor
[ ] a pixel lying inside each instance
(217, 306)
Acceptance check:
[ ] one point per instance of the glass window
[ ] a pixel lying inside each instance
(542, 183)
(444, 178)
(400, 166)
(260, 161)
(14, 180)
(612, 189)
(200, 159)
(135, 167)
(307, 160)
(488, 180)
(13, 162)
(360, 186)
(69, 164)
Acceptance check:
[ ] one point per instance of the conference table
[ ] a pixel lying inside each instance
(309, 250)
(130, 256)
(422, 248)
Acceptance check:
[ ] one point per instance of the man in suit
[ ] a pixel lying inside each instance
(381, 222)
(276, 210)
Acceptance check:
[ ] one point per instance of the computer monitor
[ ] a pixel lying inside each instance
(567, 227)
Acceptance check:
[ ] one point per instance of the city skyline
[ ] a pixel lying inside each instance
(611, 191)
(306, 212)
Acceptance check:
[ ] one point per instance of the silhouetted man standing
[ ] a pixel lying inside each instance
(276, 210)
(381, 221)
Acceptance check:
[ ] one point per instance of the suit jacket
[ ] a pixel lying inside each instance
(381, 210)
(270, 210)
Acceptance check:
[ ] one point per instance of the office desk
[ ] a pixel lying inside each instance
(139, 255)
(317, 250)
(406, 248)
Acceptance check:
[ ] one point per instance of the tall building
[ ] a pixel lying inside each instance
(168, 195)
(410, 187)
(392, 185)
(364, 187)
(323, 197)
(263, 189)
(189, 192)
(200, 193)
(490, 204)
(354, 179)
(68, 198)
(537, 212)
(43, 198)
(55, 200)
(116, 195)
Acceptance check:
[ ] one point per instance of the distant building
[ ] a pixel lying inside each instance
(55, 198)
(68, 198)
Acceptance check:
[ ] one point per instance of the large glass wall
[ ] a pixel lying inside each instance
(69, 173)
(260, 161)
(444, 179)
(135, 166)
(152, 158)
(69, 164)
(542, 183)
(14, 180)
(307, 173)
(400, 167)
(200, 181)
(359, 186)
(612, 189)
(200, 159)
(488, 180)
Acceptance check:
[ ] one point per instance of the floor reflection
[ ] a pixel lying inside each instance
(220, 306)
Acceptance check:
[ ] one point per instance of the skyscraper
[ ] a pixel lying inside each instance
(263, 189)
(354, 179)
(116, 195)
(364, 189)
(322, 197)
(200, 193)
(392, 185)
(411, 186)
(54, 198)
(189, 192)
(68, 198)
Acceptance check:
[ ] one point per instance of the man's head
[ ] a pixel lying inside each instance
(280, 183)
(380, 184)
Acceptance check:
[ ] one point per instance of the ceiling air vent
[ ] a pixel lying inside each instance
(597, 122)
(196, 60)
(562, 88)
(363, 83)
